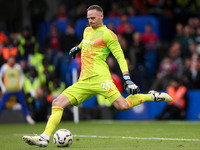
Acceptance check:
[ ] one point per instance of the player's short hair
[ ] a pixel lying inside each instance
(96, 7)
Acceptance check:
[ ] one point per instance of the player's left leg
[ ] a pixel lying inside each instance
(137, 99)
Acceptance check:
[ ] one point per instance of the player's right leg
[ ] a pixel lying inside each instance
(58, 106)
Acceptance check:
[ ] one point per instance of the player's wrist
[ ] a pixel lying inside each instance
(126, 77)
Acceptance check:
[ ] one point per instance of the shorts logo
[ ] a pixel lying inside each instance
(110, 90)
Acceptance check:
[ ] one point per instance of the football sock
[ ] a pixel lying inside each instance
(53, 121)
(137, 99)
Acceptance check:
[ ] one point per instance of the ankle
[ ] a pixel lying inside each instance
(45, 136)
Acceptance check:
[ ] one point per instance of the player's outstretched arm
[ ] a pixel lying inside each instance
(129, 86)
(74, 51)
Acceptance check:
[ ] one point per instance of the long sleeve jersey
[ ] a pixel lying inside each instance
(95, 48)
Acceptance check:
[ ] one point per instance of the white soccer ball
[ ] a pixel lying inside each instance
(62, 138)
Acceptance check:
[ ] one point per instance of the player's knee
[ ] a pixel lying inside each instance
(56, 102)
(122, 107)
(61, 101)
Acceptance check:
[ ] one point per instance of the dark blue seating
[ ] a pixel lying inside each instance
(79, 27)
(138, 22)
(62, 25)
(116, 21)
(43, 30)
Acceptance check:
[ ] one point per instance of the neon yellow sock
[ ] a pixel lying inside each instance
(54, 120)
(137, 99)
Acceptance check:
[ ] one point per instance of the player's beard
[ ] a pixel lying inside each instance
(93, 25)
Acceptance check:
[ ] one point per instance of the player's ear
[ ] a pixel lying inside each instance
(102, 15)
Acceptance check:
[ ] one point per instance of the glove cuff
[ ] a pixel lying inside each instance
(126, 77)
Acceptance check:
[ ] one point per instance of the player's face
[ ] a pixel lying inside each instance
(95, 18)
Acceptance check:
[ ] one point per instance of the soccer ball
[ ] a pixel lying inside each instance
(62, 138)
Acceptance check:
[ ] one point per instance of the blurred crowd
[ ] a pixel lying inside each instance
(153, 64)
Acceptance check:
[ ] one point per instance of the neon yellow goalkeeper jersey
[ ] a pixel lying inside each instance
(95, 47)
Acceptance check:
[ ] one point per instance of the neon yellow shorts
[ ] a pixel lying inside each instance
(85, 89)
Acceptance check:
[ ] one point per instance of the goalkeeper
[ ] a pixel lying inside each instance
(98, 41)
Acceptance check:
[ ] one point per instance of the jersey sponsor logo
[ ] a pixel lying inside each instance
(88, 42)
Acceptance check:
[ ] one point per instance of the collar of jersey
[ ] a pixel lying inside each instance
(99, 27)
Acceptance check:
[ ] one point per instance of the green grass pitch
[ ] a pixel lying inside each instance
(111, 135)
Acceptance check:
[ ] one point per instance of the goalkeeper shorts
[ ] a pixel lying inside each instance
(85, 89)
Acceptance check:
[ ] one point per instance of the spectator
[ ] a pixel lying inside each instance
(37, 9)
(174, 54)
(11, 82)
(79, 11)
(175, 109)
(35, 93)
(140, 6)
(131, 11)
(27, 44)
(166, 64)
(197, 39)
(115, 11)
(193, 74)
(24, 66)
(167, 70)
(31, 83)
(186, 69)
(126, 28)
(10, 49)
(149, 38)
(179, 31)
(51, 44)
(3, 37)
(56, 86)
(137, 51)
(62, 13)
(68, 39)
(46, 70)
(155, 7)
(124, 44)
(186, 39)
(136, 54)
(192, 26)
(112, 27)
(192, 48)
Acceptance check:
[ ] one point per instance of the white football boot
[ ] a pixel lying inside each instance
(160, 96)
(36, 140)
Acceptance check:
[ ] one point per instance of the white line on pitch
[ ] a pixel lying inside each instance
(135, 138)
(124, 137)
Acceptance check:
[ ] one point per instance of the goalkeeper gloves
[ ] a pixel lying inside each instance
(129, 86)
(74, 51)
